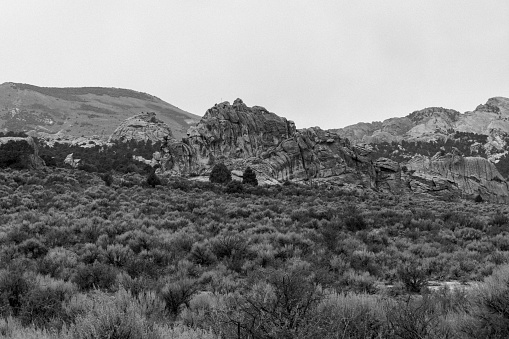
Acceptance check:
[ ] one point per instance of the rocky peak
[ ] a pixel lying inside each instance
(142, 127)
(239, 131)
(419, 117)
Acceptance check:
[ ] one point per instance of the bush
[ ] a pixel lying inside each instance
(119, 317)
(98, 275)
(491, 318)
(153, 180)
(42, 305)
(220, 174)
(249, 177)
(178, 293)
(234, 186)
(13, 288)
(107, 178)
(413, 275)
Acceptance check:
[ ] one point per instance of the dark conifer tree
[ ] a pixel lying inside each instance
(153, 179)
(220, 174)
(249, 177)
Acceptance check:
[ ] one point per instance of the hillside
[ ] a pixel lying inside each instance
(433, 123)
(82, 111)
(483, 132)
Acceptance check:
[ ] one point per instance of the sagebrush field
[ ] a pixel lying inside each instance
(80, 259)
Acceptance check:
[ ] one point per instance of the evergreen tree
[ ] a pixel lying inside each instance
(108, 179)
(220, 174)
(153, 179)
(249, 177)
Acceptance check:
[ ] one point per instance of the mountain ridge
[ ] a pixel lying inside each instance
(432, 123)
(78, 111)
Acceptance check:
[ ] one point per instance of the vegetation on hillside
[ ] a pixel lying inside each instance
(81, 259)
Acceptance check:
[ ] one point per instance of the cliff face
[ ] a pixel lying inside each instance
(454, 174)
(242, 136)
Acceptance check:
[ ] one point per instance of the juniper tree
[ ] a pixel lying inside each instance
(249, 177)
(220, 174)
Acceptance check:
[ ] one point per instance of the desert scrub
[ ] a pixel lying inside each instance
(121, 316)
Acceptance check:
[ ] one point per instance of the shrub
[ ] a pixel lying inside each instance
(234, 186)
(491, 317)
(42, 305)
(88, 168)
(200, 254)
(107, 178)
(417, 317)
(355, 316)
(98, 275)
(413, 275)
(249, 177)
(282, 307)
(119, 317)
(153, 180)
(13, 288)
(220, 174)
(178, 293)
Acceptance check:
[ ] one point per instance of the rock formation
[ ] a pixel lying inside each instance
(242, 136)
(457, 175)
(142, 127)
(21, 151)
(433, 123)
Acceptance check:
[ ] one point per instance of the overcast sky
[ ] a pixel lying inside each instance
(319, 63)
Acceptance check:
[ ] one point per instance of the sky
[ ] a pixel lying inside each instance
(319, 63)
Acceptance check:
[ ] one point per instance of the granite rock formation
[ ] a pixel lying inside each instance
(433, 123)
(242, 136)
(457, 175)
(142, 127)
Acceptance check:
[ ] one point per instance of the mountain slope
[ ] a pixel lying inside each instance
(434, 123)
(82, 111)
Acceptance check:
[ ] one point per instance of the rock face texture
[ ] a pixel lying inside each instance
(142, 127)
(21, 151)
(455, 174)
(433, 123)
(242, 136)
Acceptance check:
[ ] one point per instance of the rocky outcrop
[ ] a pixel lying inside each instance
(142, 127)
(455, 174)
(388, 175)
(242, 136)
(20, 152)
(434, 123)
